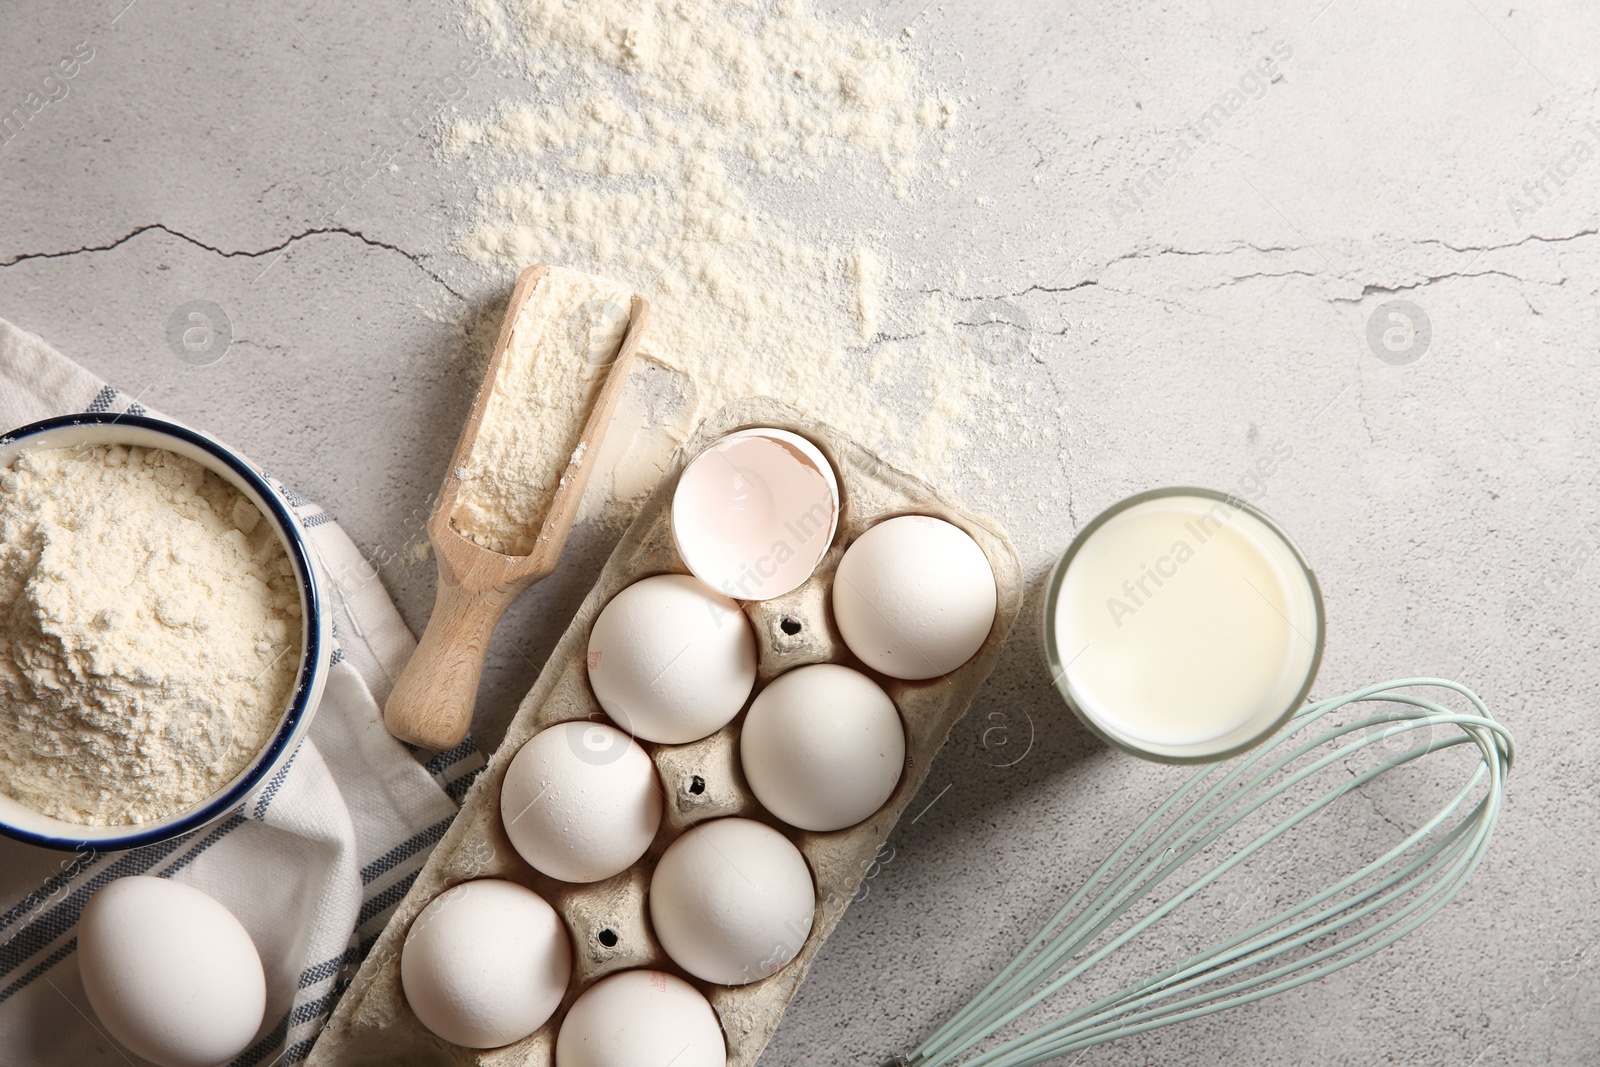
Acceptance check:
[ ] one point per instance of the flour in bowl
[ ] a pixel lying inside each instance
(149, 633)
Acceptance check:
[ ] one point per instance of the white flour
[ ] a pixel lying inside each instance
(660, 133)
(148, 634)
(561, 347)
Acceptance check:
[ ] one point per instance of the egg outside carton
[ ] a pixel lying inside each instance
(608, 920)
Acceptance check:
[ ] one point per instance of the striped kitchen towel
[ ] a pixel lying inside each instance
(312, 862)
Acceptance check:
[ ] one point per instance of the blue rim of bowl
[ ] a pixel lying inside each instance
(1058, 669)
(209, 809)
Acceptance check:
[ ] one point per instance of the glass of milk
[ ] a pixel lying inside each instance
(1183, 625)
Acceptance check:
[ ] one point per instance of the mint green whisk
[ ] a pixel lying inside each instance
(1340, 925)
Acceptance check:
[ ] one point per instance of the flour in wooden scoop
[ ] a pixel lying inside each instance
(563, 343)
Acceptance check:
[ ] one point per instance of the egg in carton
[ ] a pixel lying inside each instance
(608, 920)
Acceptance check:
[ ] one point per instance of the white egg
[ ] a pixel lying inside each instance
(171, 973)
(671, 659)
(732, 901)
(581, 801)
(822, 747)
(486, 963)
(641, 1019)
(914, 597)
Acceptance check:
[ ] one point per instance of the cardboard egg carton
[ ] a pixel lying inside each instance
(609, 920)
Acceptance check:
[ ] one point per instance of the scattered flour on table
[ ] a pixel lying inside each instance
(560, 351)
(656, 137)
(148, 624)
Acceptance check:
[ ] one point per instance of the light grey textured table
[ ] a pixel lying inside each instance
(1448, 503)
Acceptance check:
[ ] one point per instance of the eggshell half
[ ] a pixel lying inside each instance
(754, 513)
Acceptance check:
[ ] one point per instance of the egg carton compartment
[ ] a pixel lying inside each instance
(609, 920)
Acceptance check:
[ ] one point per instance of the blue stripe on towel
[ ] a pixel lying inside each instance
(321, 972)
(395, 856)
(299, 1014)
(383, 901)
(458, 788)
(274, 784)
(437, 764)
(44, 965)
(102, 400)
(56, 882)
(311, 1010)
(217, 833)
(457, 769)
(299, 1051)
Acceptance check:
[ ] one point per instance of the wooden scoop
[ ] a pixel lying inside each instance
(431, 704)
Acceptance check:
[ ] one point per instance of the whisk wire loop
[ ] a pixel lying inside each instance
(1363, 912)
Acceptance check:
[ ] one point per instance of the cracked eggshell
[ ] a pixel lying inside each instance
(732, 901)
(671, 660)
(641, 1017)
(822, 747)
(755, 512)
(581, 801)
(914, 597)
(486, 963)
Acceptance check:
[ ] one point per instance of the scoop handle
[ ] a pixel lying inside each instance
(431, 704)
